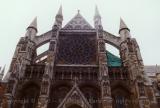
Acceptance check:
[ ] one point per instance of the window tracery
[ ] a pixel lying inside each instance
(77, 49)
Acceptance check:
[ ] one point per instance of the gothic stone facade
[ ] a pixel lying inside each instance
(74, 71)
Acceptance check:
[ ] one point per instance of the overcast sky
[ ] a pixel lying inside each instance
(141, 16)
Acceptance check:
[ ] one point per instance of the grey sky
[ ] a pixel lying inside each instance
(141, 16)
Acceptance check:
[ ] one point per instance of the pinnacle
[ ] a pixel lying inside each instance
(78, 11)
(60, 11)
(97, 11)
(122, 24)
(33, 24)
(78, 14)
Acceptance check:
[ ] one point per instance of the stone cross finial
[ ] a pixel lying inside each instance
(78, 11)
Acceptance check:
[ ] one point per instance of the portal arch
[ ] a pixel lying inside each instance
(58, 93)
(27, 96)
(92, 94)
(122, 97)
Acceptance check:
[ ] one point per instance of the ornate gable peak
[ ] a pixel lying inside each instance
(74, 96)
(78, 23)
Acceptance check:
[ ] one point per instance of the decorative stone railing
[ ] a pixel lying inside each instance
(118, 73)
(81, 73)
(34, 71)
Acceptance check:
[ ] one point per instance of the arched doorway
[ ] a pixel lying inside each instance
(74, 106)
(27, 97)
(92, 94)
(57, 94)
(121, 97)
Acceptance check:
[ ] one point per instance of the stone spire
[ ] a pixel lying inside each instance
(123, 25)
(59, 18)
(124, 31)
(33, 24)
(32, 29)
(97, 19)
(60, 11)
(97, 12)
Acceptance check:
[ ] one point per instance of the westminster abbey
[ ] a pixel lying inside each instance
(77, 70)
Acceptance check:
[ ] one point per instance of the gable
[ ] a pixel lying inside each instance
(78, 23)
(75, 97)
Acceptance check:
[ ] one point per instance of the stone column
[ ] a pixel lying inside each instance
(49, 71)
(103, 72)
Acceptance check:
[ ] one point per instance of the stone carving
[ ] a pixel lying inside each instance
(10, 86)
(141, 89)
(44, 87)
(75, 96)
(102, 46)
(100, 34)
(42, 103)
(52, 46)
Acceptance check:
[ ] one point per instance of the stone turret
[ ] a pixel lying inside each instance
(32, 29)
(23, 56)
(124, 31)
(131, 58)
(127, 46)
